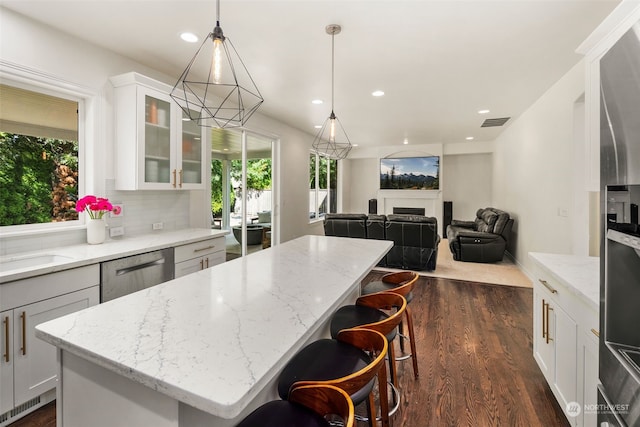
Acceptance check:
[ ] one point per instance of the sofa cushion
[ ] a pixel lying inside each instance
(501, 220)
(345, 225)
(411, 218)
(480, 225)
(264, 217)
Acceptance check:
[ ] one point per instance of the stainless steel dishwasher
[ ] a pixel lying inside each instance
(126, 275)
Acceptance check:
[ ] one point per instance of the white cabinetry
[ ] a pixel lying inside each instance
(555, 345)
(155, 148)
(28, 366)
(198, 256)
(565, 346)
(588, 376)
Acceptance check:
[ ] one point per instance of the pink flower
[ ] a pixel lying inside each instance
(96, 207)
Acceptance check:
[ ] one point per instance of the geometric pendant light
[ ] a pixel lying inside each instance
(216, 89)
(332, 140)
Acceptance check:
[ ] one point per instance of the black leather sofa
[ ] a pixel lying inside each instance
(415, 237)
(481, 240)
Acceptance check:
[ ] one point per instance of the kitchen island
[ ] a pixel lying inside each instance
(204, 349)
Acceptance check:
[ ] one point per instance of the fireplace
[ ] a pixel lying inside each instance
(414, 202)
(408, 211)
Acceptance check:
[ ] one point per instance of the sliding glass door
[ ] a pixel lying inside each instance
(242, 189)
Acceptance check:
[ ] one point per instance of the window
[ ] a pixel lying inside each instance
(323, 178)
(39, 157)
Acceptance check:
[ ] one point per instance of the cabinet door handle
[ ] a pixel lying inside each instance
(174, 178)
(207, 260)
(23, 317)
(204, 249)
(201, 264)
(544, 313)
(596, 333)
(548, 335)
(548, 286)
(180, 174)
(6, 339)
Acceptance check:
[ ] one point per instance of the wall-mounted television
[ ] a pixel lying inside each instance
(410, 173)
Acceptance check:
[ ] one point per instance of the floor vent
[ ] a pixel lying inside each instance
(26, 406)
(495, 122)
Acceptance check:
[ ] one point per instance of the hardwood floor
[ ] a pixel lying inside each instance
(475, 359)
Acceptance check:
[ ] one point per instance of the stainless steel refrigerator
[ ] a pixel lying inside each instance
(619, 363)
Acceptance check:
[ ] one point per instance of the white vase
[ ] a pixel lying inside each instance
(96, 231)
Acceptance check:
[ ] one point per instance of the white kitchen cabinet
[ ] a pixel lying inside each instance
(28, 366)
(198, 256)
(555, 346)
(34, 359)
(6, 364)
(588, 376)
(156, 148)
(565, 346)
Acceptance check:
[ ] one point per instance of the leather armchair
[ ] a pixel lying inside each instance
(345, 225)
(415, 242)
(482, 240)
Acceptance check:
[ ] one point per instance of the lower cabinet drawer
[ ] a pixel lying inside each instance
(200, 263)
(198, 249)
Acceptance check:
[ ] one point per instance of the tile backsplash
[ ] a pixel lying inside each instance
(144, 208)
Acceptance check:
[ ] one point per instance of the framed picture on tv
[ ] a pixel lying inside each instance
(410, 173)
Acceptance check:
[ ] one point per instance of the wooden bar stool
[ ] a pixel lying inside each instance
(368, 313)
(306, 406)
(400, 283)
(351, 362)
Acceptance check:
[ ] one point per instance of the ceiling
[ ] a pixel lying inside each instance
(438, 62)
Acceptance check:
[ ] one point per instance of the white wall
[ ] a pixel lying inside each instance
(468, 183)
(363, 186)
(534, 171)
(25, 44)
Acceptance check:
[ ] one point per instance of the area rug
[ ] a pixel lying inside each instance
(505, 272)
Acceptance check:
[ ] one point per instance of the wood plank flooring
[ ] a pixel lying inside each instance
(475, 359)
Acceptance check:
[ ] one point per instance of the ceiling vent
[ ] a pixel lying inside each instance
(494, 122)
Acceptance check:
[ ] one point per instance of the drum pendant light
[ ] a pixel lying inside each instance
(226, 96)
(332, 140)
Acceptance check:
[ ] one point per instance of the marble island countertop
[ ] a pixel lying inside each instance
(29, 264)
(212, 339)
(580, 274)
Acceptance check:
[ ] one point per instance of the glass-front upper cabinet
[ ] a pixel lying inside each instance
(191, 165)
(157, 141)
(156, 148)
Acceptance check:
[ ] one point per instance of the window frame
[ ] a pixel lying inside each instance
(37, 81)
(316, 191)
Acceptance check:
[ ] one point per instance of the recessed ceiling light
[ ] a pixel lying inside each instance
(406, 141)
(355, 145)
(377, 93)
(189, 37)
(469, 138)
(318, 126)
(317, 101)
(483, 111)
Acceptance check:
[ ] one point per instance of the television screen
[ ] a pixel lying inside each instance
(410, 173)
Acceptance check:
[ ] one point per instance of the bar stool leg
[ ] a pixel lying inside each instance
(412, 342)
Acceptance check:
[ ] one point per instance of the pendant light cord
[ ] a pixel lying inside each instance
(218, 13)
(332, 70)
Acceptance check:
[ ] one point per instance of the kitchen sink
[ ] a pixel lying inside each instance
(30, 261)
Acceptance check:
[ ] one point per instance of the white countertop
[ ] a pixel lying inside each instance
(84, 254)
(580, 274)
(213, 339)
